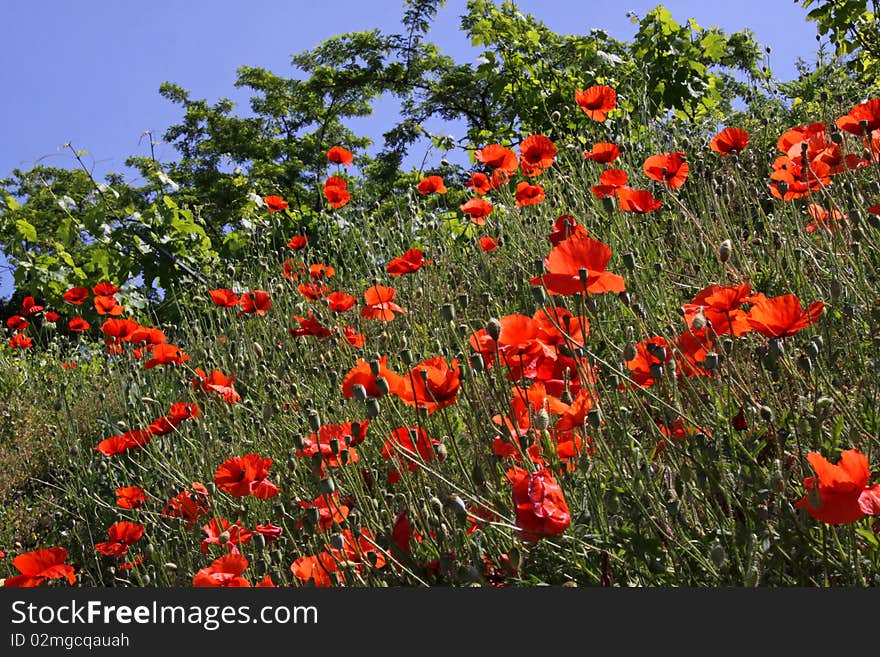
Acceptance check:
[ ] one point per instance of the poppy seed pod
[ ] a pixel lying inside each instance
(382, 385)
(724, 250)
(372, 408)
(594, 416)
(629, 351)
(493, 328)
(711, 362)
(406, 357)
(360, 392)
(629, 261)
(314, 419)
(477, 362)
(258, 350)
(447, 312)
(327, 486)
(539, 294)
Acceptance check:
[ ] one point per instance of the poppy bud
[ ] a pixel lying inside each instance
(258, 350)
(815, 498)
(539, 294)
(541, 420)
(766, 413)
(724, 250)
(170, 567)
(804, 364)
(811, 349)
(314, 419)
(463, 300)
(477, 362)
(656, 351)
(595, 417)
(447, 312)
(718, 555)
(327, 486)
(775, 349)
(493, 328)
(359, 391)
(334, 445)
(223, 537)
(656, 371)
(727, 345)
(711, 362)
(863, 124)
(375, 366)
(699, 321)
(337, 541)
(344, 456)
(441, 452)
(372, 408)
(382, 385)
(823, 405)
(538, 267)
(406, 357)
(629, 351)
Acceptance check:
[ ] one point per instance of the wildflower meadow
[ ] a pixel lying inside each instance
(622, 329)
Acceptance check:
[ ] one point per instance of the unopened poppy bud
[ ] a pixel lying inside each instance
(337, 541)
(775, 349)
(766, 413)
(463, 300)
(314, 419)
(334, 445)
(629, 261)
(259, 540)
(727, 345)
(711, 362)
(406, 357)
(258, 350)
(359, 391)
(594, 416)
(555, 116)
(441, 452)
(344, 456)
(629, 351)
(224, 537)
(493, 328)
(823, 405)
(656, 371)
(477, 362)
(447, 312)
(538, 267)
(566, 397)
(423, 373)
(372, 408)
(382, 385)
(541, 420)
(436, 505)
(170, 566)
(656, 351)
(327, 486)
(804, 364)
(699, 321)
(539, 294)
(625, 298)
(724, 250)
(375, 366)
(777, 483)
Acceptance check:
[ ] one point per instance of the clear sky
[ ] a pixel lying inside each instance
(88, 72)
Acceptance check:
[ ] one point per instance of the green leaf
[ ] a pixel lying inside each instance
(26, 229)
(714, 45)
(11, 203)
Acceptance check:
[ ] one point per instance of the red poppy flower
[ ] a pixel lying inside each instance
(298, 242)
(217, 382)
(637, 200)
(130, 497)
(316, 568)
(51, 316)
(780, 317)
(431, 185)
(791, 180)
(610, 181)
(719, 306)
(269, 531)
(340, 155)
(246, 475)
(105, 305)
(527, 194)
(329, 441)
(38, 566)
(330, 511)
(313, 291)
(219, 531)
(668, 168)
(380, 305)
(354, 338)
(477, 209)
(650, 354)
(579, 257)
(17, 323)
(336, 192)
(729, 141)
(20, 341)
(407, 446)
(596, 101)
(537, 153)
(274, 204)
(166, 354)
(861, 119)
(488, 244)
(76, 295)
(432, 384)
(122, 536)
(225, 571)
(339, 302)
(840, 493)
(823, 219)
(132, 439)
(224, 297)
(105, 289)
(118, 330)
(408, 263)
(362, 375)
(147, 335)
(190, 505)
(539, 503)
(480, 183)
(310, 326)
(603, 152)
(497, 157)
(255, 302)
(29, 306)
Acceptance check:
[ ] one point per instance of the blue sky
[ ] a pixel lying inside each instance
(88, 72)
